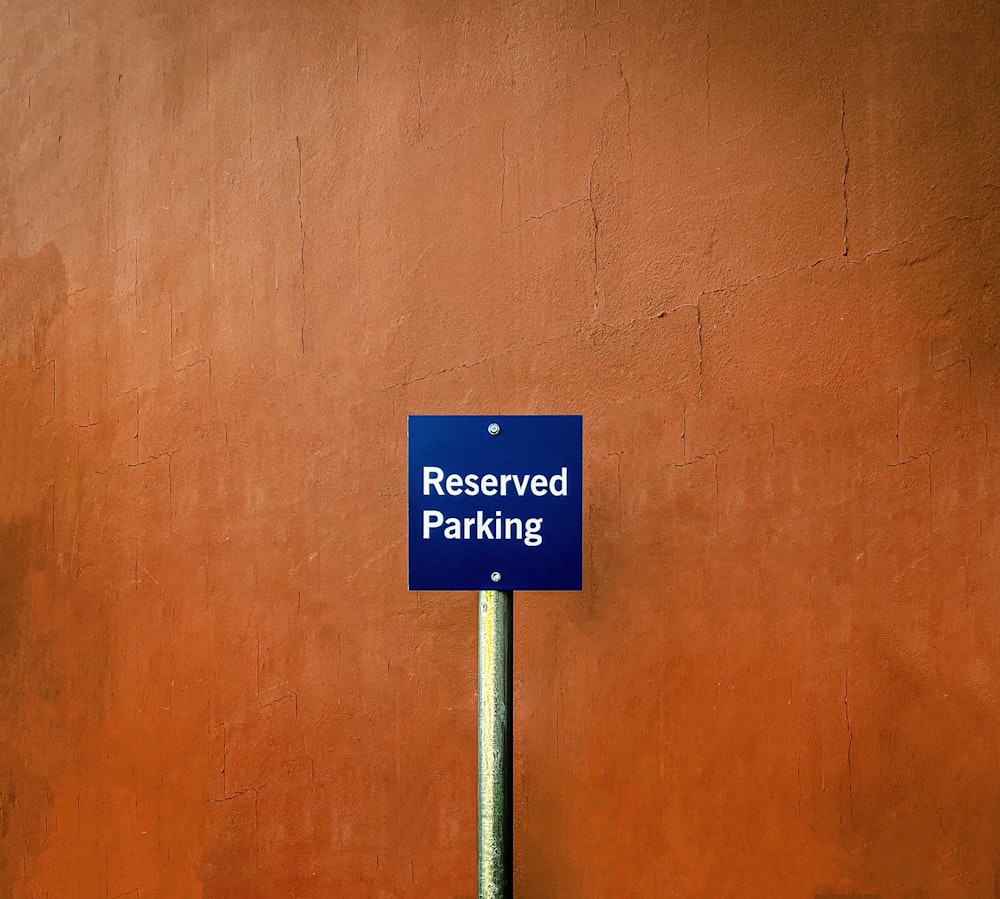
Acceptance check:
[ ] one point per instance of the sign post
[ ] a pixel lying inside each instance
(496, 744)
(495, 505)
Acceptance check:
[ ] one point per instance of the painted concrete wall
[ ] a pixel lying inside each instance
(754, 244)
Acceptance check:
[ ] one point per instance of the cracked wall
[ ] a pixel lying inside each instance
(754, 247)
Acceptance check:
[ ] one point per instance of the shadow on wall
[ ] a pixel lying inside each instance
(25, 796)
(32, 292)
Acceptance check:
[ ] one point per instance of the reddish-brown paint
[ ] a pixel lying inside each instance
(754, 244)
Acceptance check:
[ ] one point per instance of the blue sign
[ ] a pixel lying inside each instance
(496, 502)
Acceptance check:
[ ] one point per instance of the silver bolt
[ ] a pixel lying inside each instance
(494, 429)
(495, 577)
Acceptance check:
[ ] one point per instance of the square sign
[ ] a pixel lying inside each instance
(496, 502)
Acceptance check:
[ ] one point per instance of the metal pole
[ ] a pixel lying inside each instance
(496, 744)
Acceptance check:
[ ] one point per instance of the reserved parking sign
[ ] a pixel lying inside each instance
(495, 502)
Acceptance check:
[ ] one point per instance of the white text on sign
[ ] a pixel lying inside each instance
(493, 484)
(483, 526)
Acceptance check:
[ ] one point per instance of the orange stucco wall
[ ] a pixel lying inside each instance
(754, 244)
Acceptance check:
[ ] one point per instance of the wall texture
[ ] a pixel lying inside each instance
(754, 244)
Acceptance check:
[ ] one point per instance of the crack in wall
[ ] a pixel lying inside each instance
(250, 123)
(541, 215)
(767, 277)
(146, 461)
(475, 363)
(135, 275)
(701, 352)
(930, 491)
(194, 349)
(850, 745)
(746, 133)
(51, 490)
(897, 425)
(593, 215)
(302, 250)
(420, 105)
(135, 435)
(38, 368)
(288, 694)
(451, 140)
(503, 172)
(714, 456)
(847, 168)
(361, 256)
(201, 360)
(628, 103)
(211, 241)
(708, 86)
(967, 360)
(253, 307)
(555, 339)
